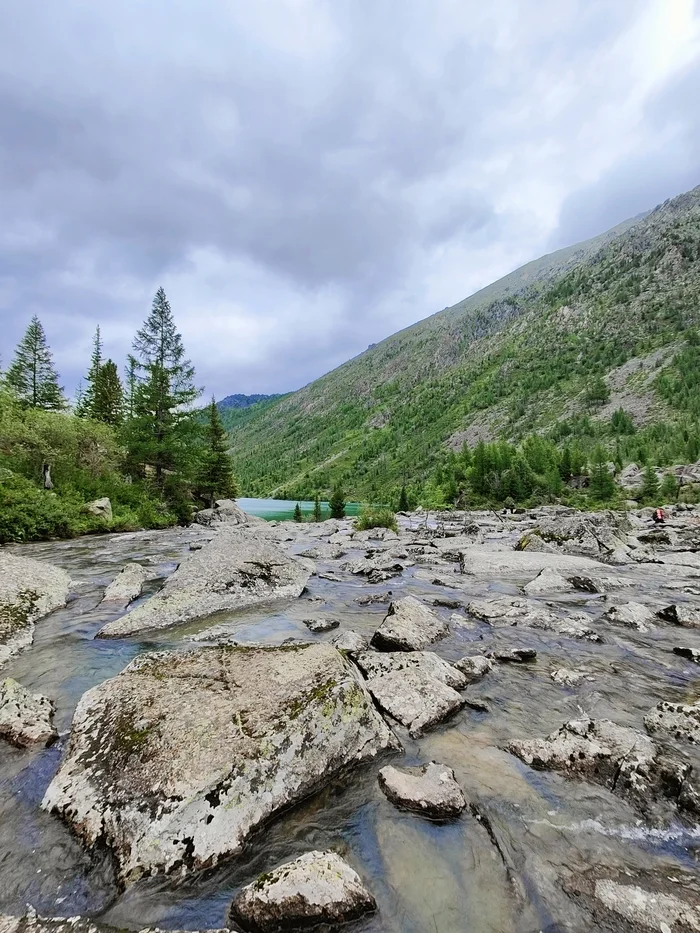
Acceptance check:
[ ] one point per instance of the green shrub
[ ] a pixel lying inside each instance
(376, 518)
(28, 513)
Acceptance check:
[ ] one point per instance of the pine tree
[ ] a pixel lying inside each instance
(131, 381)
(337, 502)
(602, 485)
(107, 395)
(650, 484)
(32, 376)
(161, 434)
(318, 515)
(86, 406)
(403, 499)
(297, 513)
(215, 473)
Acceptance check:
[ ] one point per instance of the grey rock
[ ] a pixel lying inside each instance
(31, 922)
(692, 654)
(631, 615)
(548, 581)
(102, 508)
(237, 569)
(568, 678)
(175, 762)
(409, 626)
(414, 698)
(680, 614)
(317, 888)
(680, 720)
(321, 625)
(649, 910)
(524, 613)
(127, 585)
(351, 641)
(509, 563)
(373, 663)
(371, 598)
(29, 590)
(26, 718)
(432, 791)
(515, 655)
(474, 667)
(226, 511)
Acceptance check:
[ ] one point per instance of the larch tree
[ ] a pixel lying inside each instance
(32, 376)
(215, 477)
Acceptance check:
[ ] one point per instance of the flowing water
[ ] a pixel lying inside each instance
(493, 875)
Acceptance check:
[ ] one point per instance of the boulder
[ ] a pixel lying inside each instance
(524, 613)
(432, 791)
(548, 581)
(515, 655)
(102, 508)
(29, 590)
(374, 663)
(681, 614)
(127, 585)
(318, 626)
(630, 477)
(494, 564)
(26, 718)
(679, 720)
(692, 654)
(351, 641)
(592, 534)
(631, 615)
(32, 923)
(568, 678)
(409, 626)
(648, 910)
(237, 569)
(414, 698)
(174, 763)
(317, 888)
(474, 667)
(226, 511)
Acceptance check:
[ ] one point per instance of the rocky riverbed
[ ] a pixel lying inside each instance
(486, 722)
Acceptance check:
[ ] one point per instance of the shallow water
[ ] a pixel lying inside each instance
(447, 878)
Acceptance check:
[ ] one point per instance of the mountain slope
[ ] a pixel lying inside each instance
(243, 401)
(518, 356)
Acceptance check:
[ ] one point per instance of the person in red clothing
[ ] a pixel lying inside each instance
(659, 516)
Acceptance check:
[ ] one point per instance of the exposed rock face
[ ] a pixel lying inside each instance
(651, 910)
(318, 626)
(632, 615)
(375, 663)
(548, 581)
(29, 590)
(239, 568)
(226, 511)
(680, 614)
(677, 719)
(174, 762)
(127, 585)
(26, 719)
(351, 641)
(504, 610)
(409, 626)
(317, 888)
(474, 667)
(100, 507)
(433, 791)
(32, 923)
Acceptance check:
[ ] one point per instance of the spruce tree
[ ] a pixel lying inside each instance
(403, 499)
(86, 405)
(602, 484)
(317, 514)
(650, 484)
(107, 395)
(337, 502)
(215, 476)
(161, 434)
(131, 381)
(670, 488)
(297, 513)
(32, 376)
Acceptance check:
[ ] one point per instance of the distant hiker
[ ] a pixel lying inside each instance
(659, 516)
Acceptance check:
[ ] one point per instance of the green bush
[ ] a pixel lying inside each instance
(376, 518)
(28, 513)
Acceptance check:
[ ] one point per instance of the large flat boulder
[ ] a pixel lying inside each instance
(239, 568)
(374, 663)
(432, 791)
(525, 613)
(26, 719)
(317, 888)
(127, 584)
(29, 590)
(176, 761)
(414, 698)
(409, 626)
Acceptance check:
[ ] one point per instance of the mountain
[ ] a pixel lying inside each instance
(553, 348)
(244, 401)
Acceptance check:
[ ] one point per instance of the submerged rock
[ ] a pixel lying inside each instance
(474, 667)
(237, 569)
(317, 888)
(631, 615)
(177, 760)
(409, 626)
(679, 720)
(433, 791)
(127, 585)
(26, 718)
(414, 698)
(29, 590)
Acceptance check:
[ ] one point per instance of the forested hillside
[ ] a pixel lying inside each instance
(592, 346)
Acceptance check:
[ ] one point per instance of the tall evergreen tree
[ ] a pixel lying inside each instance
(86, 405)
(318, 515)
(162, 432)
(650, 483)
(215, 474)
(337, 502)
(298, 517)
(32, 375)
(131, 377)
(602, 484)
(403, 499)
(108, 395)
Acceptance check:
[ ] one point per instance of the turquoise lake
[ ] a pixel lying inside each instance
(281, 509)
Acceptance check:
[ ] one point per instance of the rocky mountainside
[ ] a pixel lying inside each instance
(523, 355)
(244, 401)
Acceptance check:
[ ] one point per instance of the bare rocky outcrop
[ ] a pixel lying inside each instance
(317, 888)
(175, 762)
(238, 568)
(432, 790)
(127, 585)
(548, 581)
(26, 719)
(591, 534)
(29, 590)
(409, 626)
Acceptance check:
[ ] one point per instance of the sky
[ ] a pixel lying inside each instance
(306, 177)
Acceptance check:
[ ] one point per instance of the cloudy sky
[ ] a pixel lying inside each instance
(305, 177)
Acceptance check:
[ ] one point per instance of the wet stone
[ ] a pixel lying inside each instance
(433, 790)
(680, 614)
(568, 678)
(631, 615)
(515, 655)
(414, 698)
(26, 719)
(681, 721)
(31, 922)
(318, 626)
(474, 667)
(650, 910)
(409, 626)
(127, 585)
(317, 888)
(692, 654)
